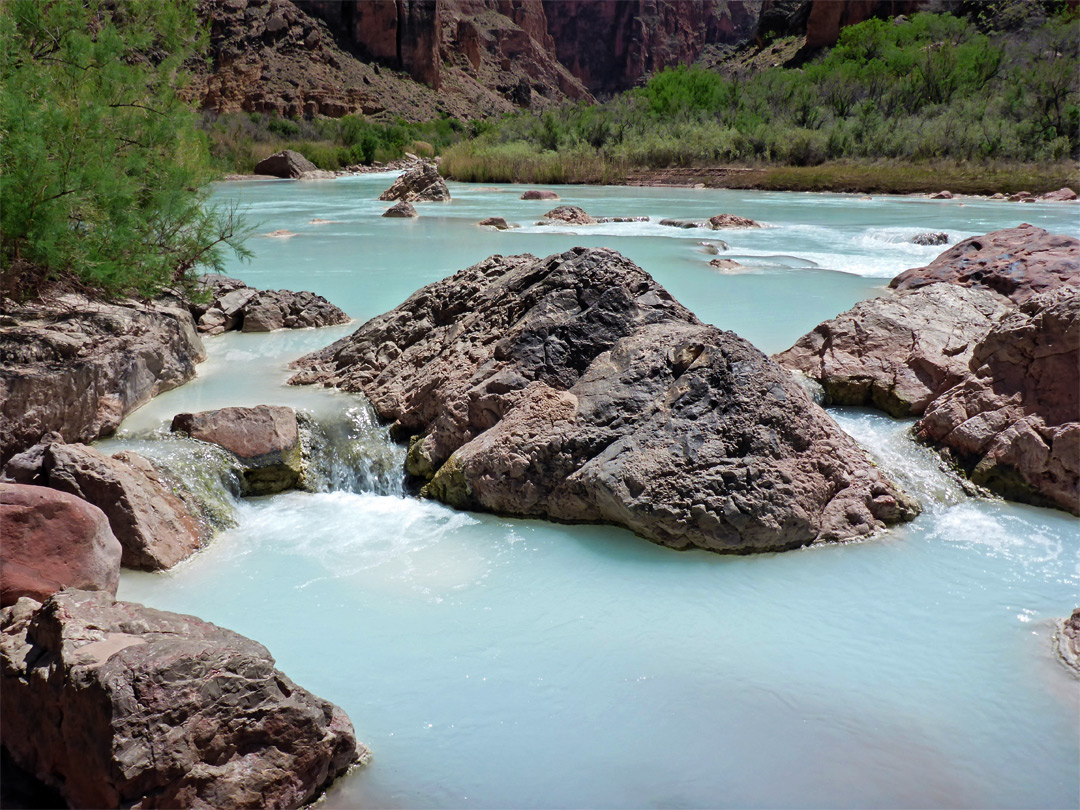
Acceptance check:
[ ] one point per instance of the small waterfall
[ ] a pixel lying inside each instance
(350, 451)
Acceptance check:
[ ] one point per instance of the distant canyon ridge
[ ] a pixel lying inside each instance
(472, 58)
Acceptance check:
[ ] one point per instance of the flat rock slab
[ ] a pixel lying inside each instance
(1013, 421)
(265, 439)
(420, 184)
(78, 367)
(115, 704)
(1016, 262)
(899, 351)
(576, 388)
(53, 540)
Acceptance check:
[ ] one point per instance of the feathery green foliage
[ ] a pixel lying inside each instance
(101, 161)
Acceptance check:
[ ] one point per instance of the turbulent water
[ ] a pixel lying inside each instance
(490, 662)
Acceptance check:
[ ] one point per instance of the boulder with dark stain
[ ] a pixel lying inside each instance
(576, 388)
(1016, 262)
(265, 439)
(53, 540)
(286, 164)
(420, 184)
(119, 705)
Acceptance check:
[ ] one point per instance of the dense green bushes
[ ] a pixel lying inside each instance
(101, 162)
(929, 88)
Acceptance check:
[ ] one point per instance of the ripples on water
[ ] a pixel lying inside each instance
(510, 663)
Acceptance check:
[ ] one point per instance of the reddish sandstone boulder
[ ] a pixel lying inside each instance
(570, 214)
(52, 540)
(265, 439)
(420, 184)
(731, 221)
(1014, 420)
(118, 705)
(498, 223)
(1065, 194)
(1016, 262)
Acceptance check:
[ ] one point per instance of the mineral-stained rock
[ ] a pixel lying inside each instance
(234, 305)
(731, 221)
(1014, 420)
(1017, 262)
(402, 210)
(285, 164)
(927, 239)
(498, 223)
(539, 194)
(420, 184)
(153, 525)
(265, 439)
(899, 351)
(1065, 194)
(1067, 641)
(119, 705)
(52, 540)
(570, 214)
(78, 367)
(576, 388)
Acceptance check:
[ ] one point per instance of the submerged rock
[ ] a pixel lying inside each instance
(78, 367)
(234, 305)
(729, 265)
(402, 210)
(731, 221)
(539, 194)
(498, 223)
(265, 439)
(1016, 262)
(576, 388)
(1067, 641)
(928, 239)
(1013, 421)
(420, 184)
(570, 214)
(285, 164)
(601, 220)
(115, 704)
(53, 540)
(900, 351)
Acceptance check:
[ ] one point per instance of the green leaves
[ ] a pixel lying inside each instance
(100, 158)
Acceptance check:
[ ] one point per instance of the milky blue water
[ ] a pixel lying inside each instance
(503, 663)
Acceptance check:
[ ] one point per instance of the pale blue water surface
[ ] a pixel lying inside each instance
(495, 663)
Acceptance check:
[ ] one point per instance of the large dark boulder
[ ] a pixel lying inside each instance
(576, 388)
(1014, 420)
(119, 705)
(899, 351)
(52, 540)
(78, 366)
(420, 184)
(265, 439)
(1016, 262)
(285, 164)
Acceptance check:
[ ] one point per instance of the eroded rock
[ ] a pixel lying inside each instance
(420, 184)
(286, 163)
(402, 210)
(570, 214)
(53, 540)
(927, 239)
(900, 351)
(1064, 194)
(115, 704)
(498, 223)
(234, 305)
(78, 367)
(1016, 262)
(731, 221)
(265, 439)
(1014, 420)
(576, 388)
(1067, 641)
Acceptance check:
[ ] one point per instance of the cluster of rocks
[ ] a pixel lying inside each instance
(232, 305)
(930, 239)
(984, 345)
(1064, 194)
(718, 222)
(576, 388)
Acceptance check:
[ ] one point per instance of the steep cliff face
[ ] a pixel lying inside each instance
(612, 45)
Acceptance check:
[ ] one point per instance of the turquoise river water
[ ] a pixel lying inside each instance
(498, 663)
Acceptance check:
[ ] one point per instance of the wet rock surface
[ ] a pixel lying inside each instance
(420, 184)
(402, 210)
(570, 214)
(78, 367)
(53, 540)
(1014, 420)
(899, 351)
(115, 704)
(539, 194)
(576, 388)
(1067, 642)
(498, 223)
(234, 305)
(731, 221)
(928, 239)
(265, 439)
(286, 163)
(154, 526)
(1016, 262)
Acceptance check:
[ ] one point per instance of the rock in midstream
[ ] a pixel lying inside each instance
(119, 705)
(576, 388)
(420, 184)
